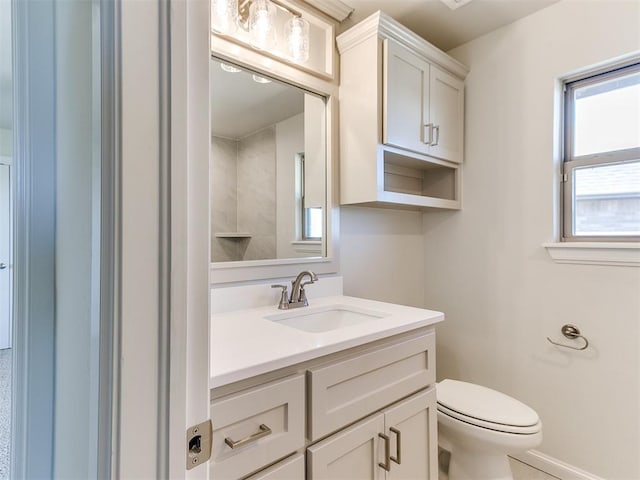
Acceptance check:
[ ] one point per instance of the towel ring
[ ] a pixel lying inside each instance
(572, 332)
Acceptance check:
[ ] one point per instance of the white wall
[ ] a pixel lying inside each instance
(486, 268)
(382, 254)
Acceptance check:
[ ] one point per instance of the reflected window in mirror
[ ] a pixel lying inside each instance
(267, 168)
(310, 217)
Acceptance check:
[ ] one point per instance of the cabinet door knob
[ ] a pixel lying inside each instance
(387, 453)
(3, 266)
(397, 458)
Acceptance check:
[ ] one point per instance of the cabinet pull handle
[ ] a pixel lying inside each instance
(264, 431)
(437, 129)
(430, 135)
(397, 458)
(387, 453)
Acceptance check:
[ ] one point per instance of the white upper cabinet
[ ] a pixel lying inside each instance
(401, 118)
(405, 108)
(446, 115)
(423, 106)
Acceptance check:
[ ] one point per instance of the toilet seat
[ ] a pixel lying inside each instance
(486, 408)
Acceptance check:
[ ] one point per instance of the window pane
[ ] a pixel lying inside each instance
(607, 115)
(606, 199)
(313, 222)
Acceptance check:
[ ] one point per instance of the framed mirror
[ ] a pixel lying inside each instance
(268, 169)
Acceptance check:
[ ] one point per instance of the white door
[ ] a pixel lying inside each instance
(353, 453)
(447, 115)
(5, 260)
(414, 446)
(405, 99)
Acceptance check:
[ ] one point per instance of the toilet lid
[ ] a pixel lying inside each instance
(484, 404)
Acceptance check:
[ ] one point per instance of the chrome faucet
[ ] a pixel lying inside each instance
(298, 296)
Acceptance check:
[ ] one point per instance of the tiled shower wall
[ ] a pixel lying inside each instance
(243, 179)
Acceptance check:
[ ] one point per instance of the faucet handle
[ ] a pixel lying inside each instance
(284, 301)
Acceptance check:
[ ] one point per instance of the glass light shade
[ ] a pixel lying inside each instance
(224, 16)
(262, 17)
(259, 79)
(296, 31)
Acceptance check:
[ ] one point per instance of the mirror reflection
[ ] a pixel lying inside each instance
(267, 168)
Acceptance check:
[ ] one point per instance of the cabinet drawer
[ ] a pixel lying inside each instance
(288, 469)
(346, 391)
(264, 424)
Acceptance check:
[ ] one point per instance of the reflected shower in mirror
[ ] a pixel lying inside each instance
(267, 168)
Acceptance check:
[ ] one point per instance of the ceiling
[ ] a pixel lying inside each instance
(441, 26)
(240, 106)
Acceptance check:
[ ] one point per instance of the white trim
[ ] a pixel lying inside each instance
(189, 234)
(623, 254)
(34, 198)
(553, 466)
(384, 26)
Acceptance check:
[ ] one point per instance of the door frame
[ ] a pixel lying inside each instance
(34, 195)
(7, 161)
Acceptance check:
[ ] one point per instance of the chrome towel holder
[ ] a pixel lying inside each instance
(571, 332)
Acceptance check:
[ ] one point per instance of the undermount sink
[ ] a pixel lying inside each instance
(325, 318)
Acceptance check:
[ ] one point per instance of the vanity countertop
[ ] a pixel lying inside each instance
(245, 344)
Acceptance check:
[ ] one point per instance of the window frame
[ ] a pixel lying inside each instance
(570, 161)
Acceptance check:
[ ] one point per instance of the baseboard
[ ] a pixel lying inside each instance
(554, 466)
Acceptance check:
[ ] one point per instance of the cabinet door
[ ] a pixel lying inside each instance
(291, 468)
(405, 110)
(353, 453)
(412, 427)
(446, 115)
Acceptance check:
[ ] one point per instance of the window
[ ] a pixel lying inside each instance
(310, 219)
(601, 168)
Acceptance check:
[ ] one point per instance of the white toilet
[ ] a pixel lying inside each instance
(480, 426)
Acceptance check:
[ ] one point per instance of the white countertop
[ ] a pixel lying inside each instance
(245, 344)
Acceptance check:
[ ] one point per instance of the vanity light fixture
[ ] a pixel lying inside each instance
(297, 35)
(258, 17)
(224, 16)
(262, 14)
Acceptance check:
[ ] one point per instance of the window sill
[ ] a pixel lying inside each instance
(623, 254)
(313, 247)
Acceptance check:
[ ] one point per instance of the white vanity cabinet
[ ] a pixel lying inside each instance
(401, 118)
(399, 443)
(364, 412)
(256, 427)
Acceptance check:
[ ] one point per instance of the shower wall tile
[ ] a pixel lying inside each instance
(256, 193)
(223, 181)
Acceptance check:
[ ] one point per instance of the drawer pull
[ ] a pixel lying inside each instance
(397, 458)
(387, 453)
(264, 431)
